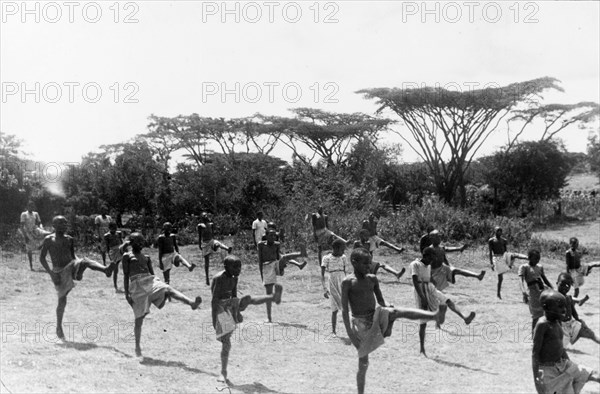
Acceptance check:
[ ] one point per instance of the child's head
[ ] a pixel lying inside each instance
(361, 260)
(60, 224)
(434, 237)
(554, 304)
(271, 226)
(428, 255)
(338, 247)
(372, 216)
(498, 231)
(30, 205)
(204, 217)
(233, 265)
(364, 235)
(271, 236)
(259, 215)
(574, 243)
(534, 257)
(564, 283)
(167, 226)
(137, 242)
(112, 226)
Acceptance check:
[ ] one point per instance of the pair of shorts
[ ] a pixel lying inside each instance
(146, 289)
(442, 276)
(270, 272)
(211, 247)
(579, 274)
(502, 263)
(374, 241)
(168, 260)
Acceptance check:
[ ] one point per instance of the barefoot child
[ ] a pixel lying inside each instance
(101, 223)
(573, 327)
(335, 265)
(32, 231)
(142, 288)
(321, 232)
(500, 261)
(532, 283)
(207, 242)
(168, 253)
(553, 371)
(113, 240)
(575, 267)
(365, 243)
(66, 267)
(428, 297)
(441, 271)
(226, 306)
(371, 226)
(372, 318)
(271, 264)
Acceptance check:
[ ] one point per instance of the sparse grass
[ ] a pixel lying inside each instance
(493, 355)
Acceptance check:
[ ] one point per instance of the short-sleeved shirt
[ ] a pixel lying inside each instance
(333, 263)
(573, 259)
(30, 220)
(422, 271)
(103, 223)
(531, 274)
(260, 229)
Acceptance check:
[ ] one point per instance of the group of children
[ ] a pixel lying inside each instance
(358, 292)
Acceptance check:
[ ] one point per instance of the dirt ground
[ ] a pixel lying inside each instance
(297, 355)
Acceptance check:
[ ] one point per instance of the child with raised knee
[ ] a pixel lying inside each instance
(226, 307)
(533, 282)
(168, 253)
(553, 371)
(113, 240)
(372, 319)
(66, 267)
(207, 242)
(142, 288)
(573, 327)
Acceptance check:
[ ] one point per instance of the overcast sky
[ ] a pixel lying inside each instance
(177, 57)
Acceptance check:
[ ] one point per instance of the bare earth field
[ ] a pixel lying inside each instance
(297, 355)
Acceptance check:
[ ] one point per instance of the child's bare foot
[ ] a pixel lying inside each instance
(138, 351)
(441, 314)
(108, 271)
(301, 266)
(277, 294)
(402, 271)
(499, 296)
(481, 275)
(400, 250)
(191, 267)
(229, 249)
(303, 251)
(196, 303)
(422, 352)
(470, 318)
(584, 299)
(222, 378)
(60, 334)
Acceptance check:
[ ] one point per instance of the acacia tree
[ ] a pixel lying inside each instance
(449, 127)
(328, 135)
(556, 118)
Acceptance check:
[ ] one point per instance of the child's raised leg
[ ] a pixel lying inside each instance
(297, 264)
(414, 314)
(467, 319)
(361, 375)
(179, 296)
(466, 273)
(586, 332)
(94, 266)
(391, 246)
(286, 258)
(179, 259)
(397, 274)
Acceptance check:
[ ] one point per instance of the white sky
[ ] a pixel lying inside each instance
(175, 49)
